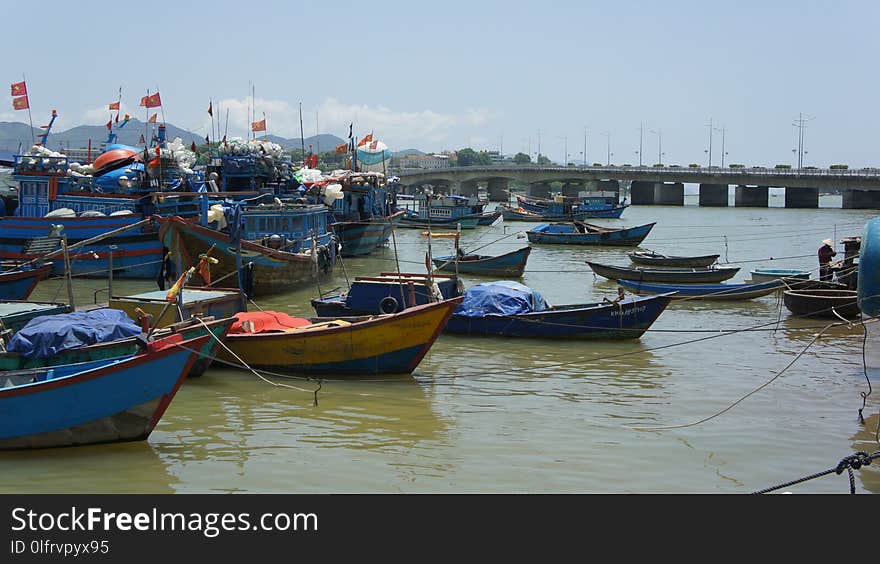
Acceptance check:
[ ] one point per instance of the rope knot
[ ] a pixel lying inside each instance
(854, 461)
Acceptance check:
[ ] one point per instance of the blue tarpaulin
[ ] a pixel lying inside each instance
(48, 335)
(505, 297)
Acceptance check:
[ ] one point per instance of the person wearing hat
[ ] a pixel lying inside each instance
(826, 253)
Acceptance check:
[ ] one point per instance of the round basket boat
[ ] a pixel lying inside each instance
(822, 303)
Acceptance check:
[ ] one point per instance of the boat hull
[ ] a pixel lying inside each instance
(18, 285)
(705, 291)
(361, 238)
(766, 275)
(511, 264)
(827, 304)
(627, 237)
(273, 271)
(653, 259)
(125, 400)
(627, 320)
(466, 222)
(137, 254)
(393, 344)
(705, 276)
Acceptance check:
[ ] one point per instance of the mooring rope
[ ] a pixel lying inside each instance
(848, 463)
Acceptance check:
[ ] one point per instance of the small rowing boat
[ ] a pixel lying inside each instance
(580, 233)
(651, 258)
(689, 275)
(705, 291)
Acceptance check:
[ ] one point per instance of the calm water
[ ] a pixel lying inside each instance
(503, 415)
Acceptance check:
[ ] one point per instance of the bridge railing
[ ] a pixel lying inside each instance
(672, 171)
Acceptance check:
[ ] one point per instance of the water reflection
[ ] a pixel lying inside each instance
(109, 468)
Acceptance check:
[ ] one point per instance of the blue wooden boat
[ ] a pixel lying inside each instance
(705, 291)
(569, 208)
(688, 275)
(390, 292)
(508, 265)
(277, 247)
(580, 233)
(18, 284)
(767, 274)
(364, 216)
(508, 309)
(869, 269)
(427, 210)
(96, 402)
(55, 201)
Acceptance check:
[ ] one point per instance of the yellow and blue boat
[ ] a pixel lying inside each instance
(384, 344)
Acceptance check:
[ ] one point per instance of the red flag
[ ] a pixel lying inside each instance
(152, 118)
(211, 108)
(193, 147)
(142, 141)
(20, 103)
(117, 117)
(151, 101)
(258, 125)
(19, 89)
(374, 145)
(109, 124)
(114, 106)
(207, 141)
(367, 138)
(342, 149)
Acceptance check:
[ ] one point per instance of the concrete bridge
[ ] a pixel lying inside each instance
(659, 185)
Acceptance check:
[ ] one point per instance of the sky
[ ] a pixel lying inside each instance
(511, 76)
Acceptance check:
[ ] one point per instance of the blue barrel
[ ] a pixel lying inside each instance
(869, 269)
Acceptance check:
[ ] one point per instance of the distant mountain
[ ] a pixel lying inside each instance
(13, 133)
(320, 143)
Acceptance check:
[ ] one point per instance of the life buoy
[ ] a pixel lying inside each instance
(388, 305)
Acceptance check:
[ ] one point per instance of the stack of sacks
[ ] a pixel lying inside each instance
(270, 156)
(185, 158)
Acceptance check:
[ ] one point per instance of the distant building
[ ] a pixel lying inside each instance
(424, 161)
(495, 157)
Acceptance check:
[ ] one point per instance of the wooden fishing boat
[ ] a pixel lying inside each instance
(822, 303)
(766, 274)
(705, 291)
(270, 270)
(18, 284)
(651, 258)
(413, 221)
(520, 313)
(194, 302)
(511, 264)
(94, 402)
(487, 218)
(189, 329)
(580, 233)
(690, 275)
(390, 292)
(385, 344)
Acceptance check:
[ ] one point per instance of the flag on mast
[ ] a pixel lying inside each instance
(114, 106)
(151, 101)
(211, 108)
(19, 89)
(259, 125)
(153, 118)
(20, 103)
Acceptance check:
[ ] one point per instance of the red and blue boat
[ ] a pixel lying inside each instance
(18, 284)
(95, 402)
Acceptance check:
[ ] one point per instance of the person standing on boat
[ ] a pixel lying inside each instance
(826, 253)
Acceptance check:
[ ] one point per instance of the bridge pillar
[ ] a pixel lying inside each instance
(539, 190)
(608, 186)
(714, 194)
(572, 188)
(498, 190)
(669, 194)
(642, 193)
(801, 197)
(861, 200)
(468, 188)
(752, 196)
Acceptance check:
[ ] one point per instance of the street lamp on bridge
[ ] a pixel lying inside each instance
(608, 135)
(660, 153)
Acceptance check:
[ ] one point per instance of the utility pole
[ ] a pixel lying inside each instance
(723, 129)
(641, 136)
(710, 142)
(585, 145)
(800, 124)
(659, 134)
(538, 160)
(608, 135)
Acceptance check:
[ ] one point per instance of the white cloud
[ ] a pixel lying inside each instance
(396, 128)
